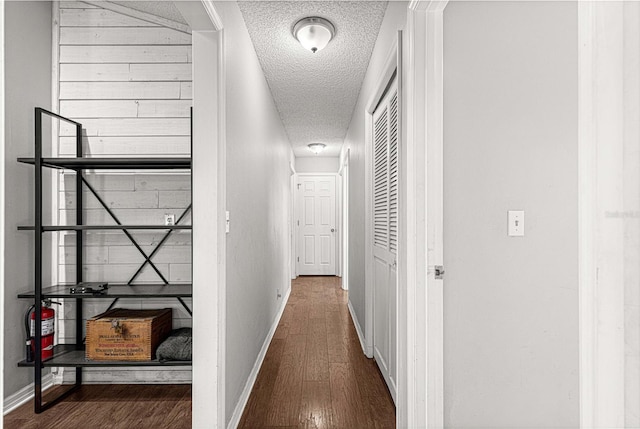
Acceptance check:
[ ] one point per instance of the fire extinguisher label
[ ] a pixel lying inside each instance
(48, 327)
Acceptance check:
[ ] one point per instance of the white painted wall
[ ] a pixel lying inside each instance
(258, 199)
(27, 57)
(317, 164)
(510, 142)
(129, 82)
(394, 20)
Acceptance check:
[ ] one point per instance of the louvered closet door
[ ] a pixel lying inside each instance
(386, 129)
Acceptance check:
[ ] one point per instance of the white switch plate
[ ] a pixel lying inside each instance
(516, 223)
(227, 225)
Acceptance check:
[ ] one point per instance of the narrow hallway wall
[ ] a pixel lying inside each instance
(394, 20)
(258, 200)
(27, 56)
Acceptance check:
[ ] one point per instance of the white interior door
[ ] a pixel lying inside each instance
(317, 225)
(385, 233)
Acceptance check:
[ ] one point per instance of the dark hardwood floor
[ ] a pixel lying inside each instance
(114, 406)
(315, 374)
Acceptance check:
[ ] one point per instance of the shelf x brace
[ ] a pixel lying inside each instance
(158, 246)
(132, 239)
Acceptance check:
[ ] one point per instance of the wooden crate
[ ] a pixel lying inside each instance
(127, 335)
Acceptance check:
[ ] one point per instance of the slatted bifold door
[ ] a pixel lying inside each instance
(385, 231)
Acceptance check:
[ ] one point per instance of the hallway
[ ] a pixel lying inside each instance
(315, 374)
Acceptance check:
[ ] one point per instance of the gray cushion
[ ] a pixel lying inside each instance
(177, 346)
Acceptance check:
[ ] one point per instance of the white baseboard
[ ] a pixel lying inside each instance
(244, 397)
(25, 394)
(363, 342)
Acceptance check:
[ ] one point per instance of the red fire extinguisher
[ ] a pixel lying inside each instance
(48, 317)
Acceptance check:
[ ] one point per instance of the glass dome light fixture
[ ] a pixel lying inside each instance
(314, 33)
(316, 147)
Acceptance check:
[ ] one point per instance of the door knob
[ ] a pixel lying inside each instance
(333, 230)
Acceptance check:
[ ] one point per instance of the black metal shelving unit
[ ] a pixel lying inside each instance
(73, 355)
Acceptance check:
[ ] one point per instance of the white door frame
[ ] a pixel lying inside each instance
(344, 232)
(209, 205)
(293, 226)
(296, 227)
(392, 66)
(420, 326)
(415, 408)
(600, 189)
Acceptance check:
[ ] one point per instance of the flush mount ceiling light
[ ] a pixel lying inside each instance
(314, 33)
(316, 147)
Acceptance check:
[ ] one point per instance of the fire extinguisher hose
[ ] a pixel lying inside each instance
(27, 328)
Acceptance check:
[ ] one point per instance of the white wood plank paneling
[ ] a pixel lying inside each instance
(179, 273)
(126, 216)
(186, 90)
(117, 273)
(80, 109)
(94, 72)
(164, 109)
(131, 127)
(92, 255)
(131, 146)
(90, 16)
(121, 90)
(166, 255)
(99, 108)
(128, 81)
(114, 200)
(124, 182)
(166, 72)
(122, 36)
(125, 54)
(97, 72)
(162, 183)
(173, 199)
(76, 5)
(117, 238)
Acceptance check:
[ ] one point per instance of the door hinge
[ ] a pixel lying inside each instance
(298, 223)
(298, 258)
(299, 185)
(439, 272)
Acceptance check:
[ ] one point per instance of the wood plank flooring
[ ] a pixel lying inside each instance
(114, 406)
(315, 375)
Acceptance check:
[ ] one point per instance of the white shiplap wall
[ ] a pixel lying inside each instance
(128, 82)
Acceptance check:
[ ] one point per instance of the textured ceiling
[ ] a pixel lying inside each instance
(314, 93)
(163, 9)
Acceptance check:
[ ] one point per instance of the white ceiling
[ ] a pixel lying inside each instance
(314, 93)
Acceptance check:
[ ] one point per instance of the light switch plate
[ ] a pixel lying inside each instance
(516, 223)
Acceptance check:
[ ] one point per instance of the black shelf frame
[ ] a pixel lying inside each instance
(73, 355)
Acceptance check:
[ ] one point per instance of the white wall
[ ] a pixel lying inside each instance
(394, 20)
(258, 199)
(320, 164)
(27, 56)
(129, 82)
(510, 130)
